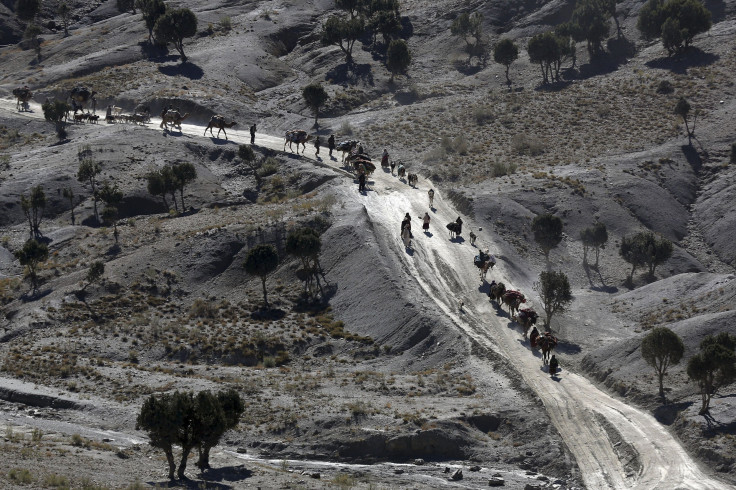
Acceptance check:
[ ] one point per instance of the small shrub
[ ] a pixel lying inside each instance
(269, 167)
(226, 24)
(56, 481)
(343, 480)
(483, 114)
(525, 144)
(78, 440)
(346, 128)
(269, 362)
(665, 87)
(201, 308)
(20, 475)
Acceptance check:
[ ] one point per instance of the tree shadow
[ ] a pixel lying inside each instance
(566, 347)
(693, 157)
(407, 28)
(553, 86)
(457, 239)
(667, 414)
(188, 484)
(187, 69)
(679, 64)
(351, 73)
(717, 9)
(268, 313)
(35, 295)
(154, 51)
(227, 473)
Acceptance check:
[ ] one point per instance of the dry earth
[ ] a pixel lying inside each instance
(392, 370)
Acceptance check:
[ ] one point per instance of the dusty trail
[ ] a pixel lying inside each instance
(445, 271)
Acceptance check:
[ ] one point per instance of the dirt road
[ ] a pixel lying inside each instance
(445, 271)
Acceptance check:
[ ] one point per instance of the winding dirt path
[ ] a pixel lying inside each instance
(445, 271)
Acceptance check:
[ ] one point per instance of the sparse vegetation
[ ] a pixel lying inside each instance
(661, 348)
(713, 367)
(174, 26)
(547, 230)
(555, 292)
(645, 248)
(261, 261)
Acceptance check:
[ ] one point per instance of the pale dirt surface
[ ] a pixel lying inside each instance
(444, 268)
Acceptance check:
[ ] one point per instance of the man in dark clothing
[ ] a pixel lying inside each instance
(553, 365)
(331, 143)
(253, 134)
(317, 144)
(361, 183)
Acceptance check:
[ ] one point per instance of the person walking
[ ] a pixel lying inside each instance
(393, 166)
(384, 158)
(317, 144)
(406, 223)
(553, 365)
(425, 222)
(430, 193)
(361, 183)
(331, 143)
(253, 134)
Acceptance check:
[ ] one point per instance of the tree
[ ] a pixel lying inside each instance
(94, 273)
(398, 57)
(184, 174)
(151, 11)
(547, 230)
(592, 18)
(126, 5)
(87, 174)
(30, 256)
(174, 26)
(315, 96)
(33, 207)
(547, 50)
(56, 113)
(215, 415)
(645, 248)
(68, 193)
(385, 22)
(660, 348)
(64, 12)
(677, 22)
(165, 419)
(470, 28)
(555, 293)
(353, 7)
(596, 237)
(306, 244)
(261, 261)
(343, 33)
(111, 196)
(505, 53)
(713, 367)
(682, 109)
(26, 10)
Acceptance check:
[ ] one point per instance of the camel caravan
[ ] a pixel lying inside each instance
(219, 122)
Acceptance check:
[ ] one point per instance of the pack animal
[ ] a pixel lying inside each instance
(23, 96)
(412, 179)
(172, 118)
(298, 136)
(219, 122)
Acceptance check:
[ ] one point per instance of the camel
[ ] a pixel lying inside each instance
(513, 299)
(298, 136)
(173, 118)
(496, 292)
(526, 318)
(367, 165)
(219, 122)
(81, 96)
(413, 179)
(455, 229)
(484, 261)
(401, 173)
(346, 147)
(23, 94)
(547, 343)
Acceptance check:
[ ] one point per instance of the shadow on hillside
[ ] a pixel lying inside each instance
(156, 51)
(717, 9)
(565, 347)
(189, 70)
(679, 64)
(693, 157)
(667, 414)
(189, 484)
(267, 313)
(351, 74)
(35, 296)
(554, 86)
(618, 51)
(227, 473)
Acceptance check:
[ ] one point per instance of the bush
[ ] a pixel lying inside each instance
(202, 308)
(524, 144)
(269, 167)
(226, 24)
(20, 475)
(500, 169)
(483, 114)
(665, 87)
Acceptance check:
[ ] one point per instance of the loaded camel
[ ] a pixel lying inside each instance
(218, 121)
(547, 343)
(173, 118)
(23, 94)
(484, 261)
(526, 318)
(413, 179)
(496, 292)
(455, 227)
(81, 96)
(298, 136)
(346, 147)
(513, 299)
